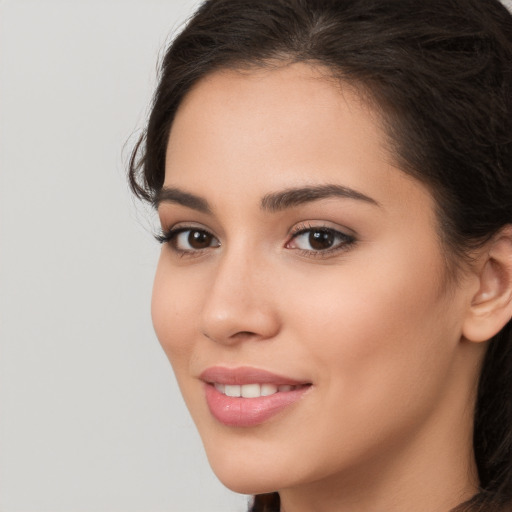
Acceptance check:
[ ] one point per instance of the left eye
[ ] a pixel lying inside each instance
(319, 239)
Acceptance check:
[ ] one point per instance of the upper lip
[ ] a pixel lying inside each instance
(246, 375)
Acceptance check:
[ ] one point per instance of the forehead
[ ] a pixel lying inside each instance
(299, 95)
(275, 128)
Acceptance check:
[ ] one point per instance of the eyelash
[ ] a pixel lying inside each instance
(169, 237)
(345, 241)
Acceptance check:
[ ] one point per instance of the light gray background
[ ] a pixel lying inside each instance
(90, 416)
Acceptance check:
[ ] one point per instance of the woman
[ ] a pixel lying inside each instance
(334, 184)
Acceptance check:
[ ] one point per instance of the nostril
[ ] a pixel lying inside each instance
(237, 336)
(245, 335)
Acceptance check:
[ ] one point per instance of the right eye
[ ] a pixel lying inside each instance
(189, 240)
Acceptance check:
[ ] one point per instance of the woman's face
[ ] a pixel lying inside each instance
(298, 255)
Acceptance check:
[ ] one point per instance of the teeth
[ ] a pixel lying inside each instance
(252, 390)
(268, 389)
(232, 390)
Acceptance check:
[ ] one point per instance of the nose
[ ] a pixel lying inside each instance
(240, 304)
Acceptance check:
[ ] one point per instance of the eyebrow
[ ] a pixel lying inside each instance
(291, 197)
(273, 202)
(178, 196)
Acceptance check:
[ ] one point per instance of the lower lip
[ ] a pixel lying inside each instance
(249, 412)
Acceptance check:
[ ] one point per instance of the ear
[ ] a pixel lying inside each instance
(491, 306)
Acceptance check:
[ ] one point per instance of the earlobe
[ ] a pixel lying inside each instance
(491, 305)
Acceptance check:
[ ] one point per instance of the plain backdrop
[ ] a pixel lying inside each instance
(90, 416)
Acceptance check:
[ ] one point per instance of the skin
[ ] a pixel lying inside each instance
(376, 326)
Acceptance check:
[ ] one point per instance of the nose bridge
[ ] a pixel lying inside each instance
(239, 300)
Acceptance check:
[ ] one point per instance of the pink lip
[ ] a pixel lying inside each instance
(248, 412)
(246, 375)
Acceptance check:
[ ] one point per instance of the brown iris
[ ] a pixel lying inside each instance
(321, 239)
(199, 239)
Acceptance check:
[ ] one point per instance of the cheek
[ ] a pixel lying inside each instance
(375, 331)
(174, 317)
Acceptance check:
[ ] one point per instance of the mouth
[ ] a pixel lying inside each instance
(247, 397)
(254, 390)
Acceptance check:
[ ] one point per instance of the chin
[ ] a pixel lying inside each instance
(241, 471)
(246, 483)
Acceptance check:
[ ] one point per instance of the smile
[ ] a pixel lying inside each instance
(248, 397)
(253, 390)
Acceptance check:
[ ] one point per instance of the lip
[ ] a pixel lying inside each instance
(246, 375)
(248, 412)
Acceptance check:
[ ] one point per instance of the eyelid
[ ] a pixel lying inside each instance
(305, 226)
(168, 230)
(343, 240)
(169, 235)
(348, 240)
